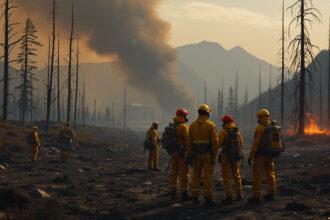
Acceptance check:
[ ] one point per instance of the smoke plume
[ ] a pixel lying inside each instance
(131, 31)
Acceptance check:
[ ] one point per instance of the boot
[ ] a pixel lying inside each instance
(195, 201)
(209, 202)
(227, 201)
(269, 197)
(254, 200)
(184, 196)
(174, 195)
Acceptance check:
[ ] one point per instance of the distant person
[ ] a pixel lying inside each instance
(153, 140)
(65, 139)
(202, 151)
(266, 146)
(34, 141)
(175, 142)
(231, 143)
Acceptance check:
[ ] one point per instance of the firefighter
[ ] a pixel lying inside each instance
(154, 149)
(260, 162)
(231, 143)
(66, 138)
(202, 151)
(179, 166)
(35, 143)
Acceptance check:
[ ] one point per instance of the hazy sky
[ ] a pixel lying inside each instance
(252, 24)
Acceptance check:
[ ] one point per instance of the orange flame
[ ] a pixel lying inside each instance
(312, 127)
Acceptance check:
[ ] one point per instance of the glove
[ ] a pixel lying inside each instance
(250, 161)
(189, 160)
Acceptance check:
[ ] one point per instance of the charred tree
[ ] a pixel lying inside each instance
(304, 13)
(8, 45)
(321, 98)
(51, 71)
(125, 104)
(68, 116)
(231, 101)
(28, 51)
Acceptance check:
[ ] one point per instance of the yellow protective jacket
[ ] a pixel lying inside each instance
(153, 136)
(224, 135)
(258, 139)
(182, 131)
(203, 131)
(36, 139)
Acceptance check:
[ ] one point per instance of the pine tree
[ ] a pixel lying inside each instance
(28, 51)
(270, 96)
(58, 80)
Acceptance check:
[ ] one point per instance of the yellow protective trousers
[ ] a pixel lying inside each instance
(231, 172)
(179, 168)
(202, 169)
(35, 152)
(263, 164)
(153, 158)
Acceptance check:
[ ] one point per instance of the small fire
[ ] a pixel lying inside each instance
(312, 127)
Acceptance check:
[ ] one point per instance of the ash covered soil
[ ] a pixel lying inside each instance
(106, 178)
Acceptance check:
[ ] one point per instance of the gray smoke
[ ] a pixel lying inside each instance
(132, 31)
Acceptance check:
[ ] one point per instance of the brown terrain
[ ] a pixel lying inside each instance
(106, 178)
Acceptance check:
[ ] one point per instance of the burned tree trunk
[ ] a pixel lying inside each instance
(51, 73)
(68, 116)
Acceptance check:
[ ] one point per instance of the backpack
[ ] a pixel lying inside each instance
(170, 139)
(272, 141)
(147, 144)
(234, 147)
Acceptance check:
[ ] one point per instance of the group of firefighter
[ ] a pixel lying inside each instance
(63, 141)
(199, 146)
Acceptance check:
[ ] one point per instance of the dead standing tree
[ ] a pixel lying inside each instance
(304, 13)
(28, 50)
(8, 45)
(51, 71)
(68, 116)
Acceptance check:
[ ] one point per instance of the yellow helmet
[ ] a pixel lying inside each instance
(263, 113)
(35, 128)
(205, 108)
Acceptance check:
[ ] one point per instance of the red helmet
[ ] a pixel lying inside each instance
(182, 112)
(227, 119)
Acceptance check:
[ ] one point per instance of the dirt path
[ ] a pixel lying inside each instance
(107, 184)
